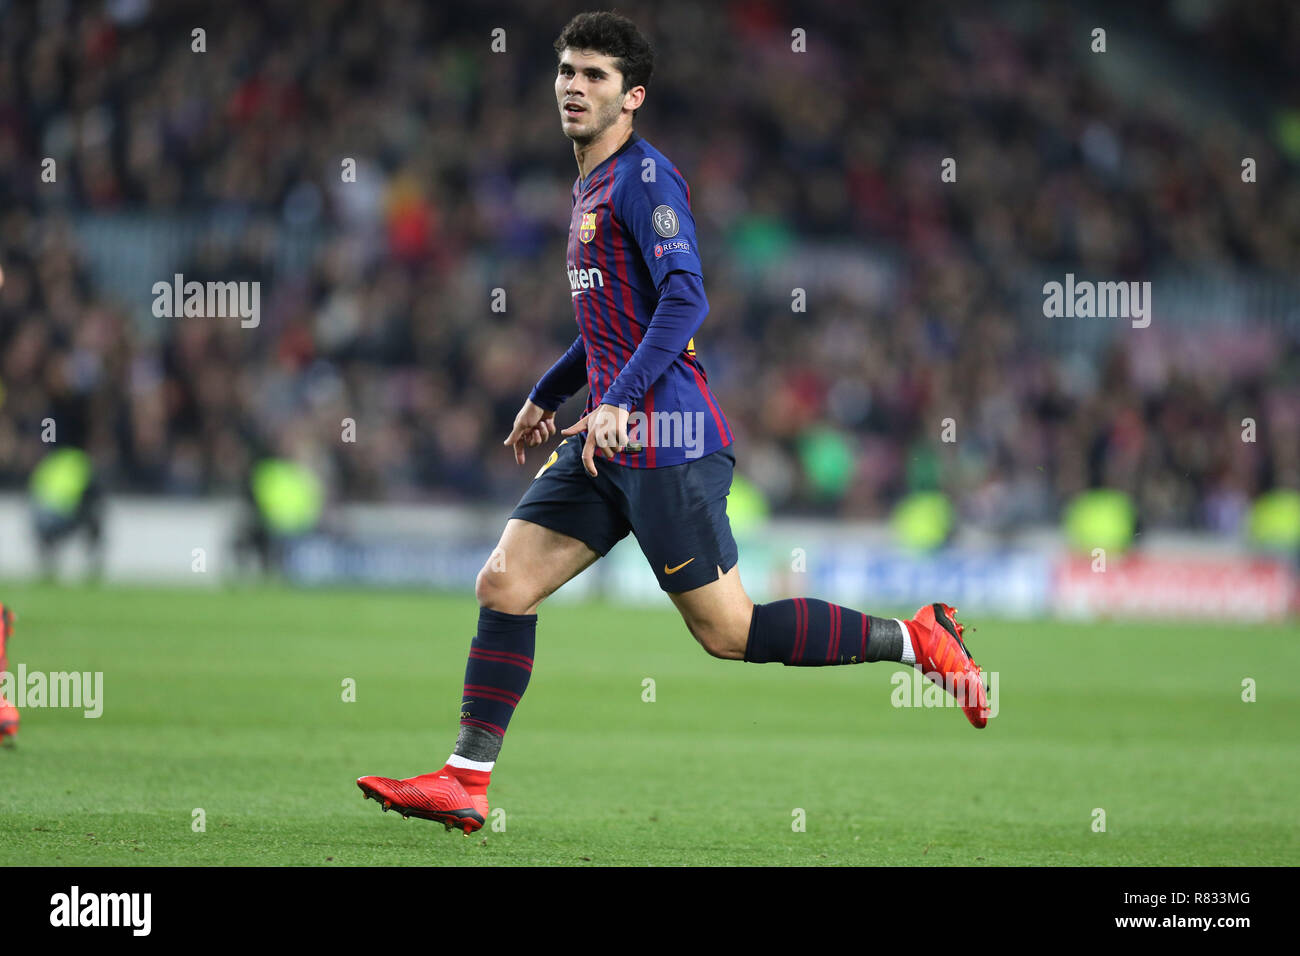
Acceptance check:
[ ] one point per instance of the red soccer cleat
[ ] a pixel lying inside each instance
(436, 796)
(8, 723)
(8, 712)
(943, 658)
(475, 783)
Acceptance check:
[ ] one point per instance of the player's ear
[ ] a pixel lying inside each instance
(633, 98)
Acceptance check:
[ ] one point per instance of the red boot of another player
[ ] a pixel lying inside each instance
(8, 723)
(435, 796)
(8, 712)
(942, 657)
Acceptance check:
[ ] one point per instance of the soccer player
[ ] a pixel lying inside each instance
(651, 453)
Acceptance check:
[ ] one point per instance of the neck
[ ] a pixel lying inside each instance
(592, 154)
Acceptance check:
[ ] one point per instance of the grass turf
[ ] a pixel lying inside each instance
(232, 702)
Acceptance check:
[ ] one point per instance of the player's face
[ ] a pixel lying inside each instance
(589, 92)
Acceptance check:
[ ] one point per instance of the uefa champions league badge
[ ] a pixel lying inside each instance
(665, 221)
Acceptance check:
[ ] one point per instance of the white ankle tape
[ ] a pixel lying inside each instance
(463, 763)
(909, 656)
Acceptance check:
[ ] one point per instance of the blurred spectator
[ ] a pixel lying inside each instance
(462, 181)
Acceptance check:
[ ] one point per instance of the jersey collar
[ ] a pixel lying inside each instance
(590, 177)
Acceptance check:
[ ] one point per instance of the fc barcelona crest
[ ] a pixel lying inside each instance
(587, 231)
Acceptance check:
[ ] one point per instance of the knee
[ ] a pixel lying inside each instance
(725, 640)
(498, 590)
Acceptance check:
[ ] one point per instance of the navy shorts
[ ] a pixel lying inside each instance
(677, 513)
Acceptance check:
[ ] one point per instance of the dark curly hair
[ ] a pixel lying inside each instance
(609, 34)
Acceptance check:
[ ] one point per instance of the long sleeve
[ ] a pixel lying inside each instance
(563, 378)
(681, 309)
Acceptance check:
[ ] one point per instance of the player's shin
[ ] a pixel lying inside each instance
(808, 632)
(496, 676)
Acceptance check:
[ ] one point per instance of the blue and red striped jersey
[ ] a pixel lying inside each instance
(630, 235)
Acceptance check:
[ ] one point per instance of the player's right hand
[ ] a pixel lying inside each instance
(533, 425)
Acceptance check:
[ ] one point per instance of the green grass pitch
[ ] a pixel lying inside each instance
(232, 702)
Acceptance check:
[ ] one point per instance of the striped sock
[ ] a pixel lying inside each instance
(496, 676)
(807, 632)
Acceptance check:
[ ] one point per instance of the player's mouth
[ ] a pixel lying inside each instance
(574, 109)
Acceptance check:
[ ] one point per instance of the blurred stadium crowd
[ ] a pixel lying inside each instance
(463, 181)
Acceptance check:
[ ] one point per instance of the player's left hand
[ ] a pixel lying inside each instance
(606, 428)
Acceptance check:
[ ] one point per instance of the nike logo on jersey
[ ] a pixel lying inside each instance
(668, 570)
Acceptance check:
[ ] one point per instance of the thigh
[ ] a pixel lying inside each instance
(538, 560)
(679, 517)
(565, 499)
